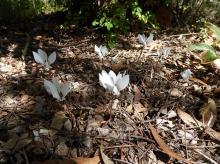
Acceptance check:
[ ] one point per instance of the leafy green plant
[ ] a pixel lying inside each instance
(209, 51)
(118, 17)
(215, 30)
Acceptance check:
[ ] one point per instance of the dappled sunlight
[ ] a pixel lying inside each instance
(158, 85)
(110, 92)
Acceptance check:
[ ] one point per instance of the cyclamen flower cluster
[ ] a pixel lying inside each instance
(112, 82)
(56, 89)
(144, 40)
(101, 51)
(41, 57)
(186, 74)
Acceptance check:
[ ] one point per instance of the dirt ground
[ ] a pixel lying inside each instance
(158, 118)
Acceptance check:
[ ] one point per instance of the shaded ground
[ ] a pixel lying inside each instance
(35, 127)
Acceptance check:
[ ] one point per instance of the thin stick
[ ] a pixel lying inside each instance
(202, 147)
(119, 160)
(140, 54)
(187, 156)
(205, 156)
(120, 146)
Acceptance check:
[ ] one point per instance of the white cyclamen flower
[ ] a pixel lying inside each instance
(57, 90)
(186, 74)
(41, 57)
(143, 40)
(113, 83)
(101, 51)
(165, 52)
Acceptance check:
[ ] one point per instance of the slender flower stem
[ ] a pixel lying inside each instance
(110, 106)
(140, 54)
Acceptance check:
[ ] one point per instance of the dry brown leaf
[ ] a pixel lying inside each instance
(164, 146)
(212, 133)
(129, 108)
(140, 108)
(105, 158)
(137, 93)
(81, 160)
(217, 90)
(54, 162)
(22, 143)
(100, 109)
(208, 112)
(187, 119)
(78, 160)
(24, 98)
(198, 81)
(119, 66)
(58, 120)
(176, 92)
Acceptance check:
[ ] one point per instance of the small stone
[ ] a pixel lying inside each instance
(103, 131)
(216, 63)
(68, 125)
(44, 132)
(175, 92)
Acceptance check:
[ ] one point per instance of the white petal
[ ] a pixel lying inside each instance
(52, 58)
(96, 48)
(101, 80)
(109, 87)
(104, 50)
(150, 38)
(40, 51)
(39, 58)
(105, 80)
(47, 65)
(65, 89)
(51, 89)
(98, 51)
(46, 86)
(55, 81)
(186, 74)
(113, 76)
(119, 76)
(115, 91)
(123, 82)
(142, 39)
(165, 52)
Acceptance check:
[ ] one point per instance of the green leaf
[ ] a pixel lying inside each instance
(111, 40)
(209, 56)
(216, 30)
(95, 23)
(109, 25)
(202, 47)
(102, 20)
